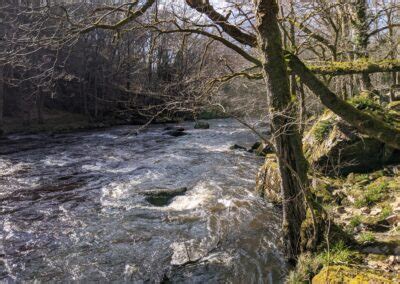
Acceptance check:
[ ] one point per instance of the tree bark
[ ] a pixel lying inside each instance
(39, 105)
(362, 39)
(1, 95)
(292, 164)
(365, 123)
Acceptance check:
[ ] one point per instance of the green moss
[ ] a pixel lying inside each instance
(339, 253)
(365, 101)
(322, 130)
(345, 274)
(361, 177)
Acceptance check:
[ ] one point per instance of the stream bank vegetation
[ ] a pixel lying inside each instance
(323, 75)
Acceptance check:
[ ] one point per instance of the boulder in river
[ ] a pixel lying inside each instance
(237, 147)
(175, 131)
(163, 197)
(333, 146)
(261, 149)
(201, 125)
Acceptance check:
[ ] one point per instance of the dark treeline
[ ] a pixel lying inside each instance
(123, 77)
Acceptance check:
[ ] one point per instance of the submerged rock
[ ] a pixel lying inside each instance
(163, 197)
(201, 125)
(176, 133)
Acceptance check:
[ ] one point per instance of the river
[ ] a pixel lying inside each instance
(75, 207)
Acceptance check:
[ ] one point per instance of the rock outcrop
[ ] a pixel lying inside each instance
(268, 182)
(332, 146)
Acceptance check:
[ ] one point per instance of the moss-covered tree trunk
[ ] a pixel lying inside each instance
(287, 141)
(362, 39)
(365, 123)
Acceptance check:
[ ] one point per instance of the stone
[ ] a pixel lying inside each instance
(365, 210)
(176, 133)
(345, 274)
(264, 149)
(163, 197)
(393, 219)
(201, 125)
(268, 180)
(333, 147)
(394, 259)
(351, 199)
(375, 211)
(237, 147)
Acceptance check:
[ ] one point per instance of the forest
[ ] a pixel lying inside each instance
(200, 141)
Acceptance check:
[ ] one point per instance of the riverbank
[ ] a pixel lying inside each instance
(363, 241)
(56, 121)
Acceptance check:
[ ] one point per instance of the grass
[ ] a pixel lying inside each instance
(310, 264)
(387, 210)
(355, 221)
(365, 102)
(372, 194)
(339, 253)
(322, 130)
(367, 237)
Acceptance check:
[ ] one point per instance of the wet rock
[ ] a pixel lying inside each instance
(263, 149)
(237, 147)
(201, 125)
(187, 252)
(176, 133)
(163, 197)
(268, 181)
(169, 128)
(255, 147)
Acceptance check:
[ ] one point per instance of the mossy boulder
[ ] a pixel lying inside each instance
(344, 274)
(268, 181)
(334, 147)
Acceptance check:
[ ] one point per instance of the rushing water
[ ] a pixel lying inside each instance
(73, 207)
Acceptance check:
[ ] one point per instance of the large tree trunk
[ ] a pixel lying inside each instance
(287, 141)
(1, 95)
(365, 123)
(362, 39)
